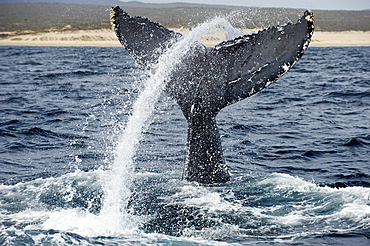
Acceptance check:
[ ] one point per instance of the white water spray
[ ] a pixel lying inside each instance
(117, 189)
(114, 218)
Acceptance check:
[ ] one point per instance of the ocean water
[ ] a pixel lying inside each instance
(298, 152)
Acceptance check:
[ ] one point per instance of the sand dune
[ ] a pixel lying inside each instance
(348, 38)
(108, 38)
(64, 38)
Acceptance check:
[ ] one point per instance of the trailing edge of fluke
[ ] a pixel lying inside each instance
(209, 80)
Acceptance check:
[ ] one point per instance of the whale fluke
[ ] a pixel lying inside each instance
(209, 80)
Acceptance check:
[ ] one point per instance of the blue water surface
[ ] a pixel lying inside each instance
(298, 152)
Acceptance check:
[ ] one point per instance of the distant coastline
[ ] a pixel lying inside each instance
(107, 38)
(67, 24)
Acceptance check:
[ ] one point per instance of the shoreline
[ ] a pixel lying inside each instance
(107, 38)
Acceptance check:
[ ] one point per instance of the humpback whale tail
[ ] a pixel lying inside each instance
(206, 81)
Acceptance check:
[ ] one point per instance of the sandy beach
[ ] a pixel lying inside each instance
(107, 38)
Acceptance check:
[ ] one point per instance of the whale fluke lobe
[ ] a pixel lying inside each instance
(143, 39)
(206, 81)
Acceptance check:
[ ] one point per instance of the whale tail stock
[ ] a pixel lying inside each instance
(208, 80)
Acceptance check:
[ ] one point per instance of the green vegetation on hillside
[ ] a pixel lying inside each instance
(47, 16)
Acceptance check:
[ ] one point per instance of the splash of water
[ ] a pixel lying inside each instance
(114, 218)
(117, 188)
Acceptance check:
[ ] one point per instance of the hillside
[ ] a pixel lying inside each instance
(36, 17)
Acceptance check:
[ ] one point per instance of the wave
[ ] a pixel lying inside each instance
(40, 132)
(37, 131)
(281, 204)
(56, 112)
(21, 100)
(29, 63)
(356, 179)
(68, 74)
(38, 139)
(350, 94)
(358, 141)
